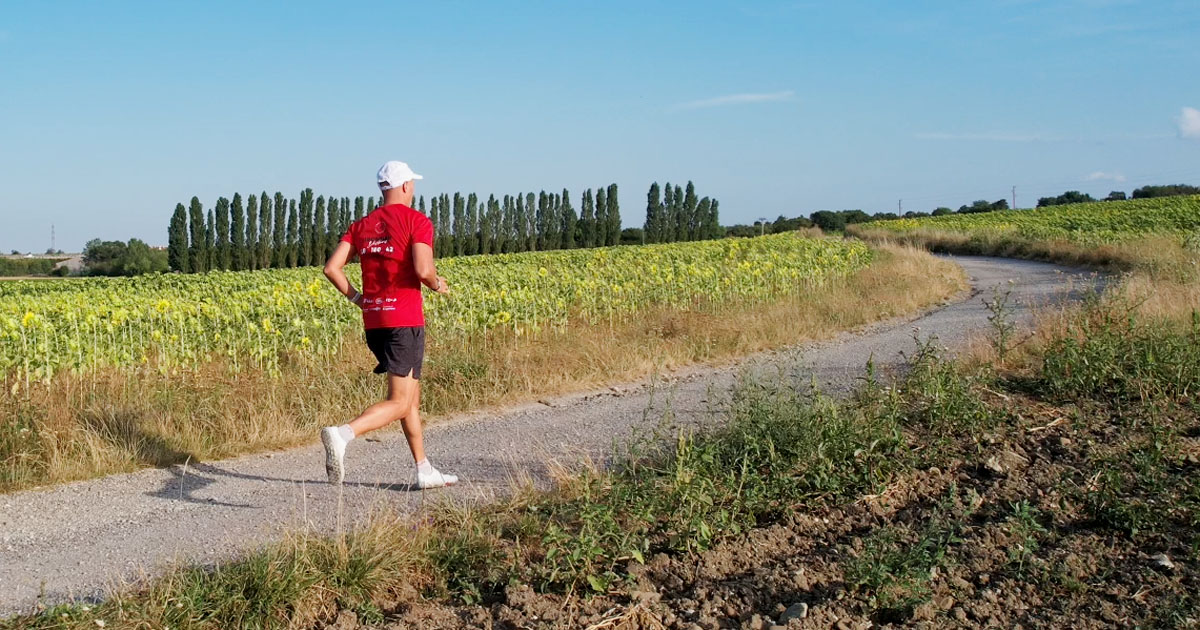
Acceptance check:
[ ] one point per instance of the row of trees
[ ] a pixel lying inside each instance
(465, 226)
(679, 216)
(264, 231)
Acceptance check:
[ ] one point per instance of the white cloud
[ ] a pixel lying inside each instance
(739, 99)
(1099, 176)
(987, 137)
(1189, 123)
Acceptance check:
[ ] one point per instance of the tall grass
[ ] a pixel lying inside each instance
(86, 426)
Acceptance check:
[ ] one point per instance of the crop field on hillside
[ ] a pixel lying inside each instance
(257, 319)
(1085, 223)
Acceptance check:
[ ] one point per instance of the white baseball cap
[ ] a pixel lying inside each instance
(393, 174)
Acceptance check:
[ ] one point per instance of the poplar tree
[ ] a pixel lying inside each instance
(613, 214)
(447, 226)
(570, 222)
(237, 234)
(251, 244)
(460, 225)
(520, 224)
(279, 239)
(358, 207)
(653, 208)
(177, 241)
(543, 209)
(262, 249)
(602, 217)
(679, 226)
(714, 221)
(197, 254)
(333, 232)
(690, 217)
(317, 252)
(306, 228)
(224, 256)
(209, 242)
(486, 234)
(421, 206)
(531, 225)
(666, 229)
(472, 233)
(703, 212)
(508, 223)
(587, 220)
(293, 240)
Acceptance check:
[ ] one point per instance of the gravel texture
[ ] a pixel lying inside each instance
(80, 540)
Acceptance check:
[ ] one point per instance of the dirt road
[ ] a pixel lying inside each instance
(80, 539)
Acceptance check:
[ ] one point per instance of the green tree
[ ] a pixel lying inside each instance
(570, 222)
(210, 239)
(688, 224)
(224, 254)
(334, 230)
(262, 248)
(509, 222)
(279, 257)
(532, 227)
(613, 215)
(317, 255)
(587, 220)
(666, 228)
(237, 234)
(358, 208)
(486, 236)
(198, 253)
(653, 207)
(305, 246)
(177, 241)
(292, 242)
(702, 217)
(714, 221)
(521, 224)
(472, 234)
(251, 244)
(460, 225)
(602, 218)
(678, 216)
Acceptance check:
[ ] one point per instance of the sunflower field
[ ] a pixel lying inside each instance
(1084, 223)
(256, 319)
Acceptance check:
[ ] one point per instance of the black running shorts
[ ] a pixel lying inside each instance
(400, 351)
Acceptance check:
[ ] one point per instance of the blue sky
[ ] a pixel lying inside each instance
(111, 113)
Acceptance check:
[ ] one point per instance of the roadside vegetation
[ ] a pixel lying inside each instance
(119, 414)
(1046, 479)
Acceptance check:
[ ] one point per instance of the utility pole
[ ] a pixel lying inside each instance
(899, 207)
(51, 237)
(1014, 197)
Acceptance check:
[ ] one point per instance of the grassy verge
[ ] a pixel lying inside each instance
(87, 426)
(1056, 486)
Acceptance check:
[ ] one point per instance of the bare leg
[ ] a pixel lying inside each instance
(400, 401)
(412, 426)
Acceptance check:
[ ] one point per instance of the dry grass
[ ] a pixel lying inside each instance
(1157, 254)
(84, 427)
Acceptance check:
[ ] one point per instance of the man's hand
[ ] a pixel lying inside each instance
(442, 287)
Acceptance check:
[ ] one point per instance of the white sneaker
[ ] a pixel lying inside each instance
(335, 453)
(435, 479)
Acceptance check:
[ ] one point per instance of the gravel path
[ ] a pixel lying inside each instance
(82, 539)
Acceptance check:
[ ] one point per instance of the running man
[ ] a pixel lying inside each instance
(395, 245)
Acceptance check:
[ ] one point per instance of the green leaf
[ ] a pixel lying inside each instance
(598, 584)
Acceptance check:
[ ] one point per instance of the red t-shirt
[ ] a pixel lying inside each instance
(383, 241)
